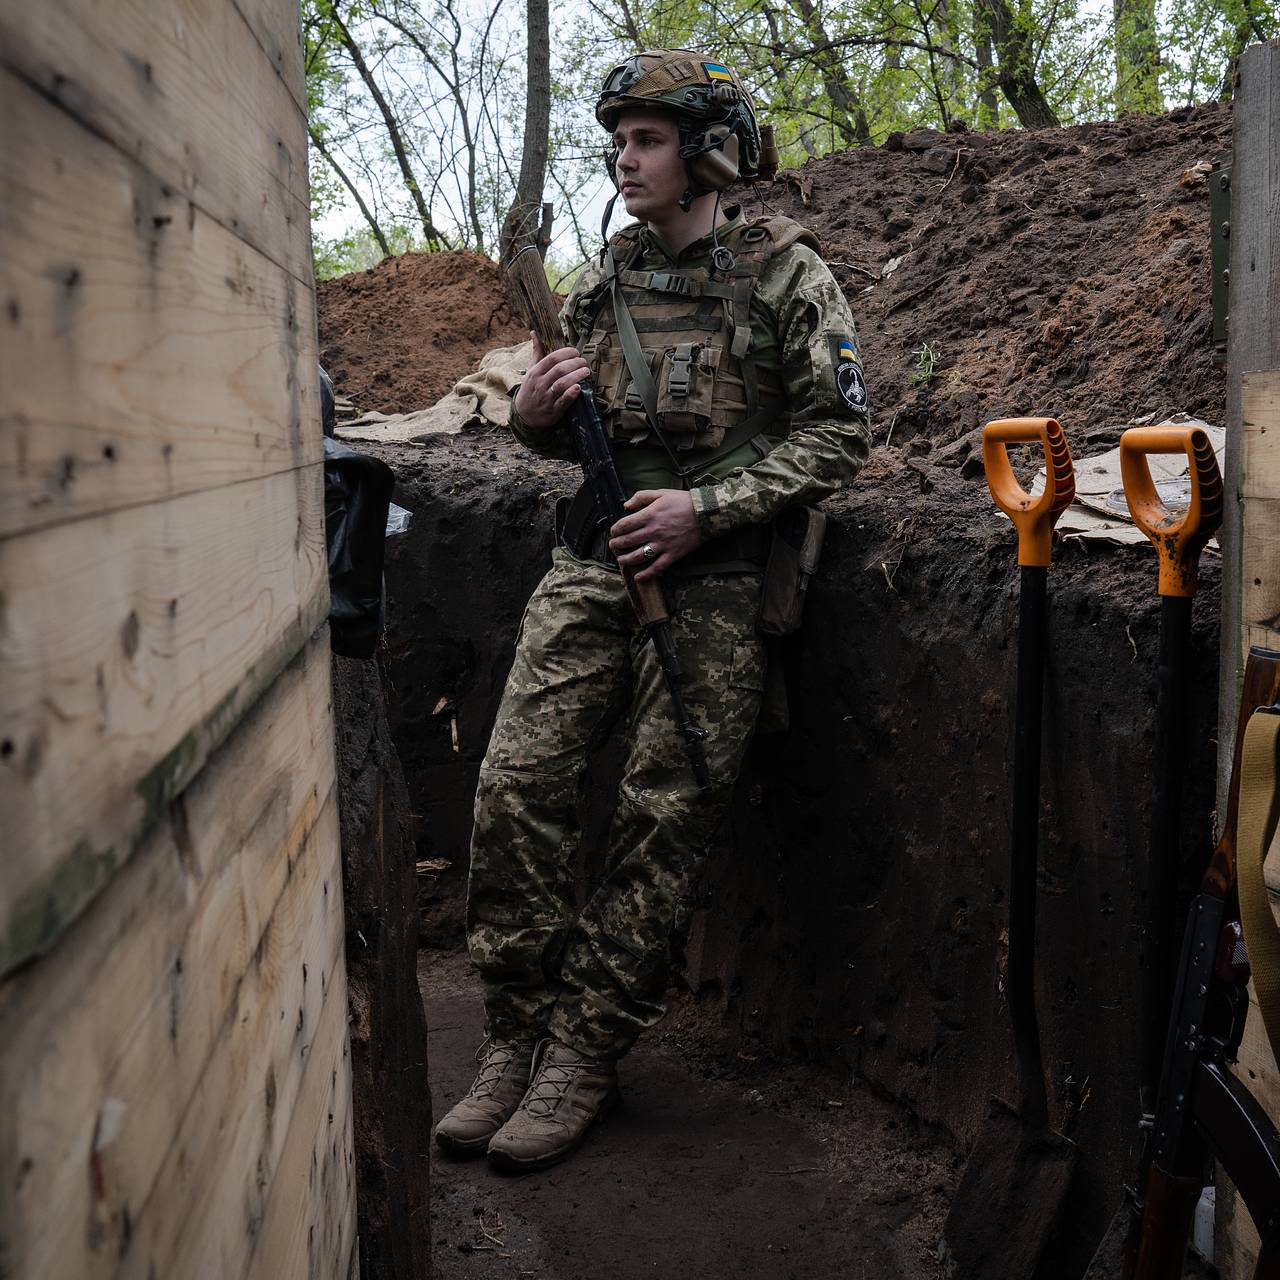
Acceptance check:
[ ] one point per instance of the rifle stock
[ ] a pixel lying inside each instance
(595, 455)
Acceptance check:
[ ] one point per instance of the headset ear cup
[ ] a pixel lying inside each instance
(718, 168)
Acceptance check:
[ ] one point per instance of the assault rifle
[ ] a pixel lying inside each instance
(1203, 1109)
(595, 455)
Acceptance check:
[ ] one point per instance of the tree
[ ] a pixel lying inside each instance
(1013, 34)
(317, 139)
(847, 114)
(417, 105)
(430, 233)
(1137, 56)
(524, 219)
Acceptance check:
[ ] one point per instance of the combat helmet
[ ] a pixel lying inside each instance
(720, 137)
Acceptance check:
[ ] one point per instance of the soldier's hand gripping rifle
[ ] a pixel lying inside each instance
(595, 455)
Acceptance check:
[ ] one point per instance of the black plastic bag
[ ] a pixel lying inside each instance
(357, 496)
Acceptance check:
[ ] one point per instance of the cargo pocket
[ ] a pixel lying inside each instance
(748, 669)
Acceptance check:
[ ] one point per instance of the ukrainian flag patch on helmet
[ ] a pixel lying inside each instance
(716, 72)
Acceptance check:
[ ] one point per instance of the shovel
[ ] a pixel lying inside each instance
(1179, 538)
(1017, 1176)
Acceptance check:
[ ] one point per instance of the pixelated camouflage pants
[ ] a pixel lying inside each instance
(596, 979)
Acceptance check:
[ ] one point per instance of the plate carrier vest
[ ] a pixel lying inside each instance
(694, 327)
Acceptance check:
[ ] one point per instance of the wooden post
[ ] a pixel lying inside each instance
(175, 1084)
(1251, 530)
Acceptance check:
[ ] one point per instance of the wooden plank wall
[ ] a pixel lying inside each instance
(174, 1074)
(1251, 534)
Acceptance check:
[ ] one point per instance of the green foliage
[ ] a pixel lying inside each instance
(927, 358)
(357, 250)
(828, 75)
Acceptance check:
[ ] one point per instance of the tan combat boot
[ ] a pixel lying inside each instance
(567, 1095)
(492, 1099)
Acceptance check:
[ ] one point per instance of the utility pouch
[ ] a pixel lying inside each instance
(686, 388)
(793, 560)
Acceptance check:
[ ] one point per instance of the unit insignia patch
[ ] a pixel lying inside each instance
(848, 370)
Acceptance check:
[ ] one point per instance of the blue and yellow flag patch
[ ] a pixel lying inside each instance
(845, 350)
(716, 72)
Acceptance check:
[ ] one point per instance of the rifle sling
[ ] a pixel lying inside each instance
(1258, 813)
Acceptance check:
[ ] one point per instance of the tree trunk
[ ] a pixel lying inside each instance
(433, 236)
(318, 138)
(988, 106)
(521, 225)
(844, 97)
(948, 77)
(1017, 75)
(1137, 56)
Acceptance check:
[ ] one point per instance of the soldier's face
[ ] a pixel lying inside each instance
(651, 174)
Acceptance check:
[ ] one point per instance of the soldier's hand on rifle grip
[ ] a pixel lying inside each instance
(660, 530)
(1033, 517)
(1178, 538)
(551, 385)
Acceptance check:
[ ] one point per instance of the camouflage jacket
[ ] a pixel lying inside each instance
(802, 332)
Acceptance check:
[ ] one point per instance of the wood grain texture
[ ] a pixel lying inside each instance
(315, 1235)
(1253, 336)
(275, 26)
(1251, 528)
(145, 350)
(184, 88)
(132, 644)
(155, 1065)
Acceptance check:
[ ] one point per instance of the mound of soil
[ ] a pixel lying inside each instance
(396, 337)
(1062, 272)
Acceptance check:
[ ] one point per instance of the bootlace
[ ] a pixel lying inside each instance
(494, 1056)
(549, 1086)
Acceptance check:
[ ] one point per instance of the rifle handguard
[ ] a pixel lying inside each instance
(1033, 517)
(1178, 540)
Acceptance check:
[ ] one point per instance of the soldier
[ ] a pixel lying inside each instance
(727, 371)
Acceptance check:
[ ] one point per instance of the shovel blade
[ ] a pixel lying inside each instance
(1007, 1204)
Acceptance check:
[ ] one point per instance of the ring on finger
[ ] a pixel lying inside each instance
(648, 551)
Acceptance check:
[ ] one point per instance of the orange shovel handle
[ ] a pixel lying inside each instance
(1033, 517)
(1178, 539)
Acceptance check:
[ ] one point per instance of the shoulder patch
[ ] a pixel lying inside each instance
(848, 370)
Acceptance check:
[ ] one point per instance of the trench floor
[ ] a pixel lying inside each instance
(773, 1173)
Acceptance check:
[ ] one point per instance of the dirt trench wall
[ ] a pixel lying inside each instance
(856, 909)
(388, 1027)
